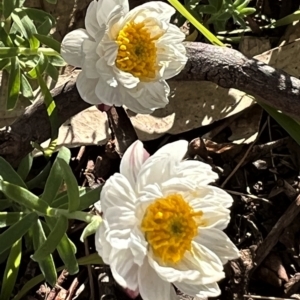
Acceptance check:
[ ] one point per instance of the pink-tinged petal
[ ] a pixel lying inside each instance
(86, 88)
(218, 242)
(117, 192)
(123, 269)
(104, 107)
(132, 161)
(131, 294)
(151, 286)
(202, 292)
(71, 47)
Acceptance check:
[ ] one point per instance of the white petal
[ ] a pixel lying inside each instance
(102, 246)
(120, 222)
(86, 88)
(125, 78)
(91, 24)
(196, 171)
(117, 191)
(154, 9)
(201, 266)
(199, 291)
(105, 8)
(213, 216)
(151, 95)
(132, 161)
(91, 58)
(218, 242)
(138, 245)
(203, 196)
(123, 269)
(159, 166)
(151, 286)
(71, 47)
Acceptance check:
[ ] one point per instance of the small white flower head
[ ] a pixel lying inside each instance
(163, 225)
(126, 56)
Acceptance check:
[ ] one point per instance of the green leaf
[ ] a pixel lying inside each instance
(8, 173)
(4, 63)
(14, 83)
(289, 19)
(87, 198)
(48, 41)
(24, 197)
(55, 178)
(46, 265)
(66, 249)
(213, 39)
(207, 9)
(11, 270)
(8, 7)
(4, 204)
(39, 15)
(217, 4)
(16, 231)
(26, 88)
(40, 178)
(72, 185)
(10, 218)
(90, 229)
(26, 27)
(247, 11)
(25, 166)
(56, 61)
(286, 122)
(39, 68)
(53, 239)
(8, 52)
(51, 107)
(52, 72)
(45, 27)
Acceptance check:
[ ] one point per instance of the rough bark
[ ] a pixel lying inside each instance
(223, 66)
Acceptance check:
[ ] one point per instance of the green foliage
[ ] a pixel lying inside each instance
(42, 218)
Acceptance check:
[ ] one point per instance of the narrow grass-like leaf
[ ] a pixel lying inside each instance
(48, 41)
(45, 27)
(9, 174)
(52, 1)
(52, 72)
(9, 52)
(286, 122)
(289, 19)
(24, 197)
(92, 259)
(10, 218)
(72, 185)
(16, 231)
(90, 229)
(5, 203)
(11, 270)
(46, 265)
(66, 249)
(8, 7)
(5, 62)
(55, 178)
(25, 166)
(51, 107)
(40, 178)
(14, 83)
(213, 39)
(52, 240)
(38, 15)
(61, 200)
(26, 88)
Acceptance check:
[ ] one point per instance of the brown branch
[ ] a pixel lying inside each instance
(226, 67)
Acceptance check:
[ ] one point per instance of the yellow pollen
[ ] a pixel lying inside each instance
(170, 225)
(137, 51)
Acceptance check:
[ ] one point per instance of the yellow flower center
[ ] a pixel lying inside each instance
(137, 51)
(169, 225)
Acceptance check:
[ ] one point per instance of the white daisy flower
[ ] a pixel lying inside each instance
(126, 56)
(163, 224)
